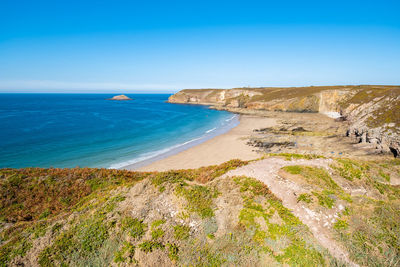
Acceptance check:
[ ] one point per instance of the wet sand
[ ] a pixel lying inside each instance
(231, 145)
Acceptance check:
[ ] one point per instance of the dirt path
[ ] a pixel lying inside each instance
(320, 223)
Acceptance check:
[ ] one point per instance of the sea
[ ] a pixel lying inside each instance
(87, 130)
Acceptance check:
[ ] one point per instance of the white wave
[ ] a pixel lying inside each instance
(234, 116)
(211, 130)
(150, 155)
(153, 154)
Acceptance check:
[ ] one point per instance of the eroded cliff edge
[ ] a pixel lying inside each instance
(372, 112)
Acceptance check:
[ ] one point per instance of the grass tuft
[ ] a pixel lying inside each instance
(181, 232)
(135, 227)
(199, 199)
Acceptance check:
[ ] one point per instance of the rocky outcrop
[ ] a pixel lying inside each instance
(230, 98)
(375, 119)
(120, 97)
(272, 99)
(372, 111)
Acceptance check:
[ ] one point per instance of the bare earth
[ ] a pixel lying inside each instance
(320, 223)
(231, 145)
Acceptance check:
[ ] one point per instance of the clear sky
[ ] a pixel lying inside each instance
(98, 46)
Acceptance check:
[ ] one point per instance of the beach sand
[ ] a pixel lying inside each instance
(231, 145)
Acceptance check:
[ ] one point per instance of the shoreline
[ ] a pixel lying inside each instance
(268, 132)
(220, 148)
(155, 156)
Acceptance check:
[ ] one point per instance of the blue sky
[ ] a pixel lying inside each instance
(148, 46)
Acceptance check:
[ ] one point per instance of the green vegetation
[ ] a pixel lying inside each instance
(95, 229)
(325, 198)
(371, 234)
(149, 246)
(312, 175)
(135, 227)
(275, 228)
(370, 227)
(253, 186)
(202, 254)
(18, 246)
(388, 110)
(127, 252)
(56, 228)
(157, 233)
(82, 240)
(173, 251)
(36, 193)
(37, 196)
(326, 189)
(305, 198)
(157, 223)
(181, 232)
(202, 175)
(350, 169)
(45, 214)
(384, 175)
(371, 175)
(38, 230)
(340, 225)
(199, 199)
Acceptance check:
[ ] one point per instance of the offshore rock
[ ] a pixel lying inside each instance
(120, 97)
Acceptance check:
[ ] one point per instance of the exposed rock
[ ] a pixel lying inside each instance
(261, 144)
(120, 97)
(372, 112)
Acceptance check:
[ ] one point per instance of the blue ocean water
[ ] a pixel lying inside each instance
(86, 130)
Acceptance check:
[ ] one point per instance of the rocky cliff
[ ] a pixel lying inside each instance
(372, 111)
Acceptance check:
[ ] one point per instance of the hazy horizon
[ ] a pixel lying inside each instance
(130, 46)
(160, 91)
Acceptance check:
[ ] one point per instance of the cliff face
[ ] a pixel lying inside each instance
(372, 111)
(307, 99)
(375, 118)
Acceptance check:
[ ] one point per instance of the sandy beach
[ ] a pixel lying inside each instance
(322, 136)
(231, 145)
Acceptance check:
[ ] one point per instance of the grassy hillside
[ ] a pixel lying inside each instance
(86, 217)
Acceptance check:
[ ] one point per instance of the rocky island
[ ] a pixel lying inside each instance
(120, 98)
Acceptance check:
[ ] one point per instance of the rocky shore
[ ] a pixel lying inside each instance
(371, 112)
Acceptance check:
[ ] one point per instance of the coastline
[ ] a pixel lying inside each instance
(278, 132)
(155, 156)
(219, 149)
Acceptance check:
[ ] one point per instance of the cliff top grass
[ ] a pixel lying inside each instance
(369, 226)
(364, 93)
(36, 193)
(304, 99)
(100, 227)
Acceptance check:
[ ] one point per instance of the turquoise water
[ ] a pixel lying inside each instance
(86, 130)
